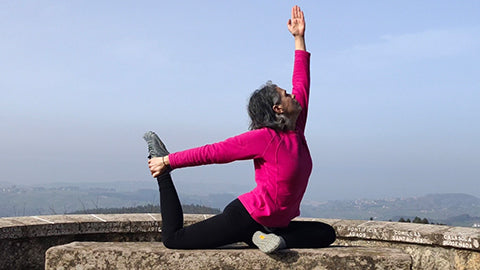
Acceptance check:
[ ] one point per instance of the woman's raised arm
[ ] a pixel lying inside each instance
(296, 26)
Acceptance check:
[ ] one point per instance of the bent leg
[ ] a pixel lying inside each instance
(307, 234)
(233, 225)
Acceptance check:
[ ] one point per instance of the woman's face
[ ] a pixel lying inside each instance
(288, 104)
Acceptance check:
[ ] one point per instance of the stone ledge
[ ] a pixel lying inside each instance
(57, 225)
(153, 255)
(418, 234)
(431, 247)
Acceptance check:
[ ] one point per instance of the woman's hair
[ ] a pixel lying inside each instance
(260, 109)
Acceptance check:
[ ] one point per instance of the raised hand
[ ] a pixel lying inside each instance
(296, 24)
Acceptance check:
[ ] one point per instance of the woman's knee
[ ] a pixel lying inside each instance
(331, 235)
(175, 241)
(326, 234)
(169, 242)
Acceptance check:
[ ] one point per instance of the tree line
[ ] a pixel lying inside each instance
(418, 220)
(149, 208)
(415, 220)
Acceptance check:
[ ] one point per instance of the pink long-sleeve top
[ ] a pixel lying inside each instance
(281, 158)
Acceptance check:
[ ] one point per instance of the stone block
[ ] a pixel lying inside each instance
(153, 255)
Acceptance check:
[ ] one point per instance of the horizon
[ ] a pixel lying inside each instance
(393, 106)
(127, 186)
(453, 209)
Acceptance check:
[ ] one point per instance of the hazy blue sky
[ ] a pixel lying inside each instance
(394, 106)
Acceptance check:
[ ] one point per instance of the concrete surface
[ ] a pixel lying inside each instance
(94, 255)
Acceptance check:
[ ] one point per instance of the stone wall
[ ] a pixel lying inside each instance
(24, 240)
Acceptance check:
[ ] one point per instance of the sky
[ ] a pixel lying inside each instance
(395, 89)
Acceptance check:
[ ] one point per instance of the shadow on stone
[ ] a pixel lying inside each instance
(285, 256)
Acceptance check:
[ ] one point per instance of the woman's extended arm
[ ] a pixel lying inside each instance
(296, 26)
(301, 67)
(249, 145)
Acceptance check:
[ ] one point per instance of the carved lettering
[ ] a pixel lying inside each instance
(407, 233)
(418, 240)
(409, 236)
(360, 231)
(460, 241)
(457, 244)
(355, 234)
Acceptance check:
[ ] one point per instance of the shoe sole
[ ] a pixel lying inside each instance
(267, 243)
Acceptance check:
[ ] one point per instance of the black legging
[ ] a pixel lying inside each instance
(233, 225)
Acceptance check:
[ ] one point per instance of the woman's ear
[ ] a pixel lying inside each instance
(278, 108)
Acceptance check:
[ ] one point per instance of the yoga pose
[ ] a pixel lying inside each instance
(277, 145)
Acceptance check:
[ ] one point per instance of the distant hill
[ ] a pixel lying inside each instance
(25, 201)
(4, 184)
(15, 200)
(451, 209)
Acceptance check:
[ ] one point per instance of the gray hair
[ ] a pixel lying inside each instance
(260, 109)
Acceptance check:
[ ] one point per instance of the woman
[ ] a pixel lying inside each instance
(277, 144)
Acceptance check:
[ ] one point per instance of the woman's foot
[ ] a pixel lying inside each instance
(268, 243)
(156, 148)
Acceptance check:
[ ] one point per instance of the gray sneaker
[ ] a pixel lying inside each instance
(268, 243)
(156, 148)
